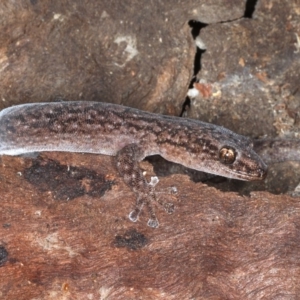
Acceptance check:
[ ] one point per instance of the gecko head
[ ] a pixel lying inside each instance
(241, 162)
(228, 154)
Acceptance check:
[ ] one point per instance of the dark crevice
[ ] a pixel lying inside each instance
(195, 31)
(197, 61)
(185, 106)
(250, 8)
(196, 27)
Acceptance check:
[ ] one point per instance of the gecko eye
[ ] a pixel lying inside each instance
(227, 155)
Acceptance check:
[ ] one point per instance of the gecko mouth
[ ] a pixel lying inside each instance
(258, 174)
(246, 173)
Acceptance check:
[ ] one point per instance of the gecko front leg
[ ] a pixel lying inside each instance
(127, 162)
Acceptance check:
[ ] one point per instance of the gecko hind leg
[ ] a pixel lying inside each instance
(127, 163)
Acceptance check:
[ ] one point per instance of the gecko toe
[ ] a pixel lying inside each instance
(169, 207)
(134, 215)
(173, 190)
(153, 222)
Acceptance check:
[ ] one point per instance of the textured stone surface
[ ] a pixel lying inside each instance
(137, 53)
(128, 52)
(250, 72)
(213, 11)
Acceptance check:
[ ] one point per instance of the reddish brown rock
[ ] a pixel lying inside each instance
(251, 67)
(216, 245)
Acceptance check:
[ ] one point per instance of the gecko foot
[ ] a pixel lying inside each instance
(153, 223)
(147, 201)
(134, 215)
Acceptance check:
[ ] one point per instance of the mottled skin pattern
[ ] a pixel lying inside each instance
(130, 135)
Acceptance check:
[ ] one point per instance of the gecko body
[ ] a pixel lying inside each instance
(130, 135)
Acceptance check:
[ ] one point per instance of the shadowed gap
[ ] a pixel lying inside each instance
(250, 8)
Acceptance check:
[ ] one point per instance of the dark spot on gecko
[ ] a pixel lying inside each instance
(33, 2)
(70, 120)
(66, 183)
(35, 115)
(90, 121)
(49, 115)
(75, 111)
(22, 118)
(131, 239)
(3, 255)
(36, 125)
(57, 110)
